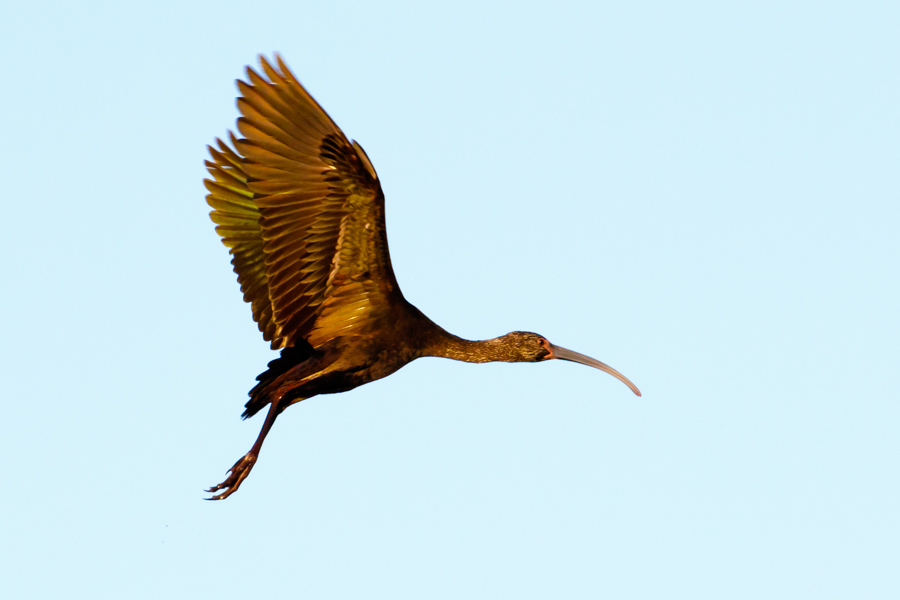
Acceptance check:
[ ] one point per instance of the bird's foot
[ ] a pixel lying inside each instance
(236, 475)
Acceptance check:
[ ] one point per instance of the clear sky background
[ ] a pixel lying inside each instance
(704, 196)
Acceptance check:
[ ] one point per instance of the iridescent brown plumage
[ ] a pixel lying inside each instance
(301, 209)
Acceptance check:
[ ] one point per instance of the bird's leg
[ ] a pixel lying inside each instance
(238, 473)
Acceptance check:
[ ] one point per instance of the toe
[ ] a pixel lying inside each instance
(236, 476)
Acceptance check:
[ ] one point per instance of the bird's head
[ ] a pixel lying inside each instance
(525, 346)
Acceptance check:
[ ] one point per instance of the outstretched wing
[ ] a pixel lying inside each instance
(302, 211)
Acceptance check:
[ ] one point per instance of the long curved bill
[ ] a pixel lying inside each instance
(565, 354)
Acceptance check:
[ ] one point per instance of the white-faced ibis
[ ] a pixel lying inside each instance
(301, 209)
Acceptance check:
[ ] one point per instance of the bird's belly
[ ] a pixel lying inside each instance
(355, 365)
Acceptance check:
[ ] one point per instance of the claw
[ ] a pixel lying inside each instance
(236, 475)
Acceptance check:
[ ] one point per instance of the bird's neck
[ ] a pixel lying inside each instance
(447, 345)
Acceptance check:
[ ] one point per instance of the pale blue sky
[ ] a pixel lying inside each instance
(704, 196)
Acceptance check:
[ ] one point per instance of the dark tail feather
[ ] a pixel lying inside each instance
(290, 358)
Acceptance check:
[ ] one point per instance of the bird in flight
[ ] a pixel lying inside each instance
(301, 210)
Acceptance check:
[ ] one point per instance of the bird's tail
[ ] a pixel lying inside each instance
(261, 394)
